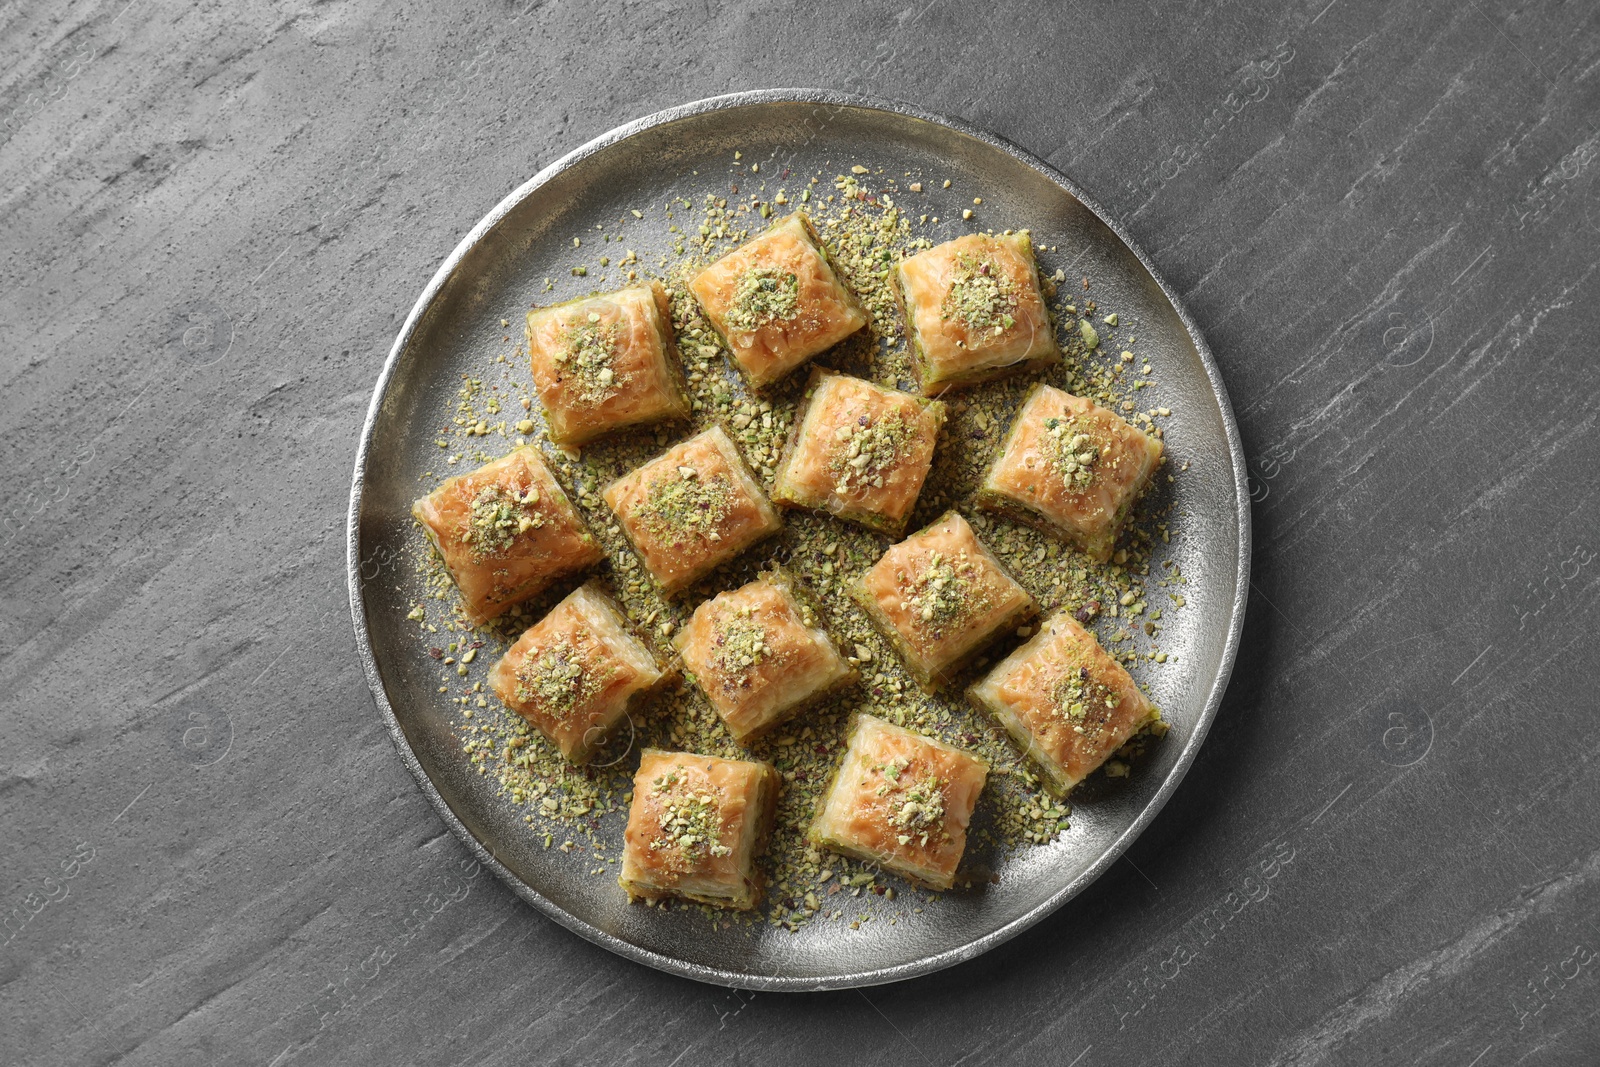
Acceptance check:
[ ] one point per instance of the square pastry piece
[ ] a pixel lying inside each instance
(939, 597)
(760, 654)
(691, 509)
(695, 828)
(859, 451)
(901, 800)
(506, 531)
(606, 362)
(1072, 468)
(1066, 702)
(974, 311)
(577, 673)
(777, 301)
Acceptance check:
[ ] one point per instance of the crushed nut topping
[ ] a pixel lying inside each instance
(764, 295)
(943, 591)
(589, 355)
(741, 642)
(690, 823)
(981, 297)
(559, 680)
(1074, 449)
(1082, 702)
(865, 450)
(685, 503)
(498, 515)
(916, 808)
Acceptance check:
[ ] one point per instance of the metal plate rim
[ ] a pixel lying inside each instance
(672, 965)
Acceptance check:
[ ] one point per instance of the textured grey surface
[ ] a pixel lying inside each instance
(1384, 218)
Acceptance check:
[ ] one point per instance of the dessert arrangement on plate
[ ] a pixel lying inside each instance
(826, 611)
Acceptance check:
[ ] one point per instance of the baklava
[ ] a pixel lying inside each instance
(578, 673)
(902, 801)
(974, 311)
(760, 653)
(1071, 468)
(858, 451)
(940, 596)
(505, 532)
(692, 509)
(695, 828)
(777, 301)
(1065, 702)
(606, 362)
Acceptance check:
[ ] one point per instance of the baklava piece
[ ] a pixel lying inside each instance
(695, 828)
(859, 452)
(974, 311)
(777, 301)
(759, 653)
(939, 597)
(505, 532)
(1071, 468)
(900, 800)
(606, 362)
(1065, 702)
(692, 509)
(576, 674)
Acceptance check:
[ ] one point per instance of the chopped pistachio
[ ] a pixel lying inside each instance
(763, 295)
(981, 296)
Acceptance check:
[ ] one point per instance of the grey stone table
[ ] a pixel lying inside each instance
(1385, 218)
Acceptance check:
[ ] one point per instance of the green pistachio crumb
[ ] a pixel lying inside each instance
(497, 516)
(981, 296)
(763, 296)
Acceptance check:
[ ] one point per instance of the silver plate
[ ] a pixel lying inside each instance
(455, 328)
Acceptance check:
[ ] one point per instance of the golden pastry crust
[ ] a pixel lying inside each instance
(760, 654)
(576, 674)
(858, 451)
(607, 362)
(696, 827)
(940, 596)
(974, 311)
(1071, 468)
(506, 531)
(901, 800)
(1066, 702)
(777, 301)
(692, 509)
